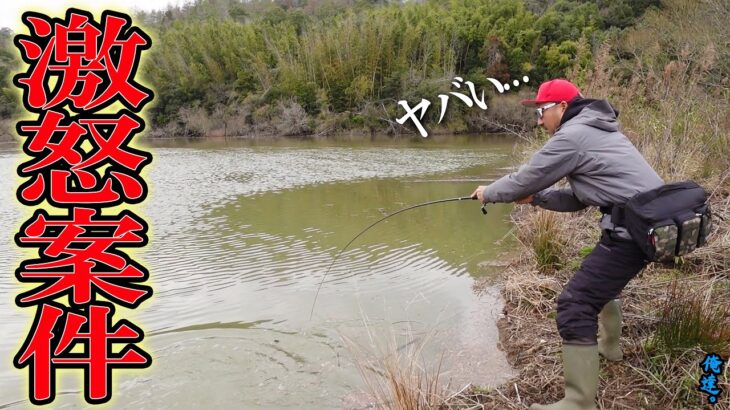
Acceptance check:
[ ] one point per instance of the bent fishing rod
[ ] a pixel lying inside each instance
(461, 198)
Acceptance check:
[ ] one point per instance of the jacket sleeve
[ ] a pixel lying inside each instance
(561, 200)
(556, 159)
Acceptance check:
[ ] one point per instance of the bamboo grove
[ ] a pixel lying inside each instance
(318, 66)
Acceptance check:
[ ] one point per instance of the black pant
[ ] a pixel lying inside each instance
(600, 278)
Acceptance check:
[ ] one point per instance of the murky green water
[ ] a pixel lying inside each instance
(241, 234)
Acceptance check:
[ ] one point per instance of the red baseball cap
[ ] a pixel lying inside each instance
(556, 90)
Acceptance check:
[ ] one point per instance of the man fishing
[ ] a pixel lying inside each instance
(603, 169)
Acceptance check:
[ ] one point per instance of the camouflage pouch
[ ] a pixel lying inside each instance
(664, 242)
(668, 221)
(705, 227)
(689, 233)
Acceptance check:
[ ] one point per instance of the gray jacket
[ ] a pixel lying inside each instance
(601, 165)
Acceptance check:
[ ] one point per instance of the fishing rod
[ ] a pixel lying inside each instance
(461, 198)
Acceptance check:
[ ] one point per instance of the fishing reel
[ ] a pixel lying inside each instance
(484, 206)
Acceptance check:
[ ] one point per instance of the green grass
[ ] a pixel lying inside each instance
(690, 320)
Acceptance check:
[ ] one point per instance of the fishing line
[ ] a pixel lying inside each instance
(461, 198)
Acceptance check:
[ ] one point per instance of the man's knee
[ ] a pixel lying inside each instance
(576, 318)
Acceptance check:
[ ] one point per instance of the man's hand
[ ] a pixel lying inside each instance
(479, 194)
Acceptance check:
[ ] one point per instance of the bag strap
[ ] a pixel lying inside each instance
(617, 213)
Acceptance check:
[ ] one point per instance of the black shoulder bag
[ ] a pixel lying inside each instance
(669, 221)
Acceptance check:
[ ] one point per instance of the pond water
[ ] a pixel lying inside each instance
(241, 234)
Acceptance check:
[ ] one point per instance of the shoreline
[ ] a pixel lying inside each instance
(355, 135)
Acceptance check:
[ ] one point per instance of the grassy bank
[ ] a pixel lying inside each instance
(673, 97)
(673, 315)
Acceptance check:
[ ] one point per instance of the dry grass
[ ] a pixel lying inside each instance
(394, 371)
(398, 375)
(543, 233)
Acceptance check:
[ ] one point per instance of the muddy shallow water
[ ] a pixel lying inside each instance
(240, 236)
